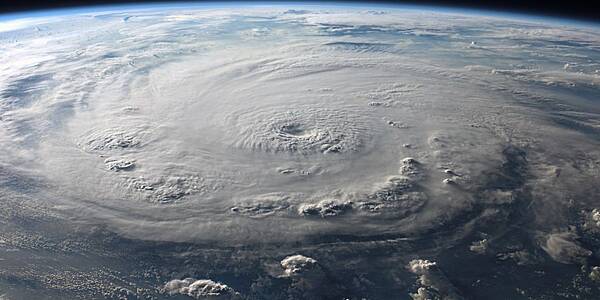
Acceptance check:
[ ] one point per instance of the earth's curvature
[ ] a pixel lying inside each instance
(275, 152)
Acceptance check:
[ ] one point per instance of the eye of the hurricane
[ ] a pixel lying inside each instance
(295, 130)
(307, 130)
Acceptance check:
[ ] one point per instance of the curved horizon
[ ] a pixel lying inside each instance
(439, 7)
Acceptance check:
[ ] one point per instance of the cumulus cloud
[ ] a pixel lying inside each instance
(325, 208)
(433, 280)
(200, 289)
(307, 276)
(595, 274)
(596, 216)
(297, 265)
(563, 247)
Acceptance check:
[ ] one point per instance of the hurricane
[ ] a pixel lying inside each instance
(271, 152)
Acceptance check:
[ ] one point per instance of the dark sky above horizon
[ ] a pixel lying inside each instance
(573, 9)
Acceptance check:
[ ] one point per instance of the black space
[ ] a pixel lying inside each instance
(572, 9)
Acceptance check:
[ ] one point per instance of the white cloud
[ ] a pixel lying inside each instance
(200, 289)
